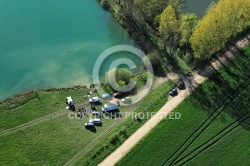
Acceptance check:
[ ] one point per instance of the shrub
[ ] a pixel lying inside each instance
(188, 57)
(154, 60)
(105, 4)
(120, 74)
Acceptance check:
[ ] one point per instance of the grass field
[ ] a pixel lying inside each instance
(35, 129)
(214, 128)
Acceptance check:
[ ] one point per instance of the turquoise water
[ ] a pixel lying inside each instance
(54, 43)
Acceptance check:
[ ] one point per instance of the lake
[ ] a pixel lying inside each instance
(55, 43)
(51, 43)
(198, 7)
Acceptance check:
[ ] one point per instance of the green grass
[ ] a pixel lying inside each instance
(151, 103)
(57, 139)
(43, 104)
(174, 140)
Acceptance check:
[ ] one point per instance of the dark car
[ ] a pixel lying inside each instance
(188, 74)
(181, 85)
(117, 94)
(173, 92)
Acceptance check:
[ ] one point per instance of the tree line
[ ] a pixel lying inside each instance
(182, 34)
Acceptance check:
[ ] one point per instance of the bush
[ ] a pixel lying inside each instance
(105, 4)
(120, 74)
(154, 60)
(188, 57)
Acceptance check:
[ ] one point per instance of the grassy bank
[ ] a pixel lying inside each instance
(152, 103)
(214, 127)
(35, 128)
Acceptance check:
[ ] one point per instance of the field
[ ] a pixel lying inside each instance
(214, 128)
(35, 129)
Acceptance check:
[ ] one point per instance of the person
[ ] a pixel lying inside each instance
(88, 92)
(93, 107)
(79, 114)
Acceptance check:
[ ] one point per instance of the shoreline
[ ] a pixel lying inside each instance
(28, 93)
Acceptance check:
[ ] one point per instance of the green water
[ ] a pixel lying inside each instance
(199, 7)
(54, 43)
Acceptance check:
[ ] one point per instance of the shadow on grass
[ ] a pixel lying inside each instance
(228, 94)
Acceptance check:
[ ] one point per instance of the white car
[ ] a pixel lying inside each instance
(89, 125)
(94, 100)
(95, 121)
(96, 113)
(126, 99)
(70, 102)
(106, 96)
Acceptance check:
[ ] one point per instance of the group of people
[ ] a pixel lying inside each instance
(81, 112)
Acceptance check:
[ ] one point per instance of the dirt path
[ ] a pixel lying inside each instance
(172, 103)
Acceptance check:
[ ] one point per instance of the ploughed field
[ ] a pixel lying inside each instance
(214, 128)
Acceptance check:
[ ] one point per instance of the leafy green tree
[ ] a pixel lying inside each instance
(169, 27)
(222, 22)
(153, 59)
(120, 75)
(187, 24)
(150, 8)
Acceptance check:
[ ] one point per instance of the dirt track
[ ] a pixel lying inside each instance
(172, 103)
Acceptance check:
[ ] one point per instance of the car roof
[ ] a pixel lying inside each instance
(109, 104)
(94, 120)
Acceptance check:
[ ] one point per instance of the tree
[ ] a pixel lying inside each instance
(222, 22)
(120, 75)
(187, 24)
(150, 8)
(169, 27)
(105, 4)
(153, 59)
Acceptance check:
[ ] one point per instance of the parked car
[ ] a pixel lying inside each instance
(188, 74)
(106, 96)
(115, 101)
(94, 100)
(126, 99)
(117, 94)
(70, 102)
(173, 92)
(181, 84)
(107, 108)
(89, 125)
(96, 113)
(95, 121)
